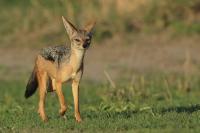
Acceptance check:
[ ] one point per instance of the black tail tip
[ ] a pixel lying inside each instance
(29, 92)
(27, 95)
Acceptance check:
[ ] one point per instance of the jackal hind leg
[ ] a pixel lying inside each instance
(63, 108)
(51, 84)
(42, 77)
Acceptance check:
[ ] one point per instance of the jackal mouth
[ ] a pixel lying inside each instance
(81, 48)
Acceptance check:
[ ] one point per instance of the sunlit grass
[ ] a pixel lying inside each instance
(144, 104)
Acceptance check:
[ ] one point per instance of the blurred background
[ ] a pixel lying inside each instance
(142, 70)
(132, 37)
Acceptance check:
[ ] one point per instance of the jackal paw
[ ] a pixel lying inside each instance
(43, 116)
(78, 118)
(62, 110)
(45, 119)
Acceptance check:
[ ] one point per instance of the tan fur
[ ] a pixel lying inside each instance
(66, 71)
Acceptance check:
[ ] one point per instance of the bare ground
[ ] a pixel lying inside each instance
(136, 55)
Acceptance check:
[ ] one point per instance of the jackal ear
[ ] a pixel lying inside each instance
(90, 27)
(70, 28)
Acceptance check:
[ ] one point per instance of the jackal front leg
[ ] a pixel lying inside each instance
(75, 91)
(61, 98)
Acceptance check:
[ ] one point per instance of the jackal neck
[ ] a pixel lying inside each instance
(76, 58)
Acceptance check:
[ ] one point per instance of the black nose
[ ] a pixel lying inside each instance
(85, 45)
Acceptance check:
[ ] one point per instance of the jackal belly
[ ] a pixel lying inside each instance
(61, 73)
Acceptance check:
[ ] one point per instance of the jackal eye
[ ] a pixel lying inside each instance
(77, 40)
(87, 40)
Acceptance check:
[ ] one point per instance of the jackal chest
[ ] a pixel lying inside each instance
(66, 73)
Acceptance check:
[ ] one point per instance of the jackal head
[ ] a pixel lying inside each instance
(80, 38)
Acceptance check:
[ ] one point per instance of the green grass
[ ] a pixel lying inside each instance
(147, 105)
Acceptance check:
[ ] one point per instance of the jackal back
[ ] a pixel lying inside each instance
(56, 54)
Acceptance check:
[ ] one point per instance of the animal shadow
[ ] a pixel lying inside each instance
(181, 109)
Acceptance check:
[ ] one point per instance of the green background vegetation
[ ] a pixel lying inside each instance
(40, 20)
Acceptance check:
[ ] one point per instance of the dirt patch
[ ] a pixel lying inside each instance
(141, 54)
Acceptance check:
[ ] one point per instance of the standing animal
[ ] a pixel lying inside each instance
(58, 64)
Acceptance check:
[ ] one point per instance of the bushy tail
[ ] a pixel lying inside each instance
(32, 85)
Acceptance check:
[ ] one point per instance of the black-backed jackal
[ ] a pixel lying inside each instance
(55, 65)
